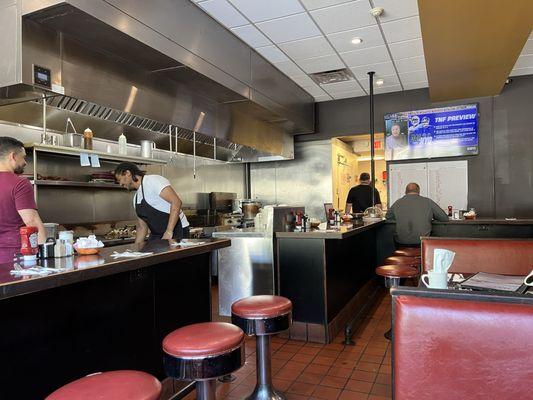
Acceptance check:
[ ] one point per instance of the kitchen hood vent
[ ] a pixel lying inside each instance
(87, 108)
(334, 76)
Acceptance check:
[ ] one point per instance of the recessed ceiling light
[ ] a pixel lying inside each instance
(357, 40)
(379, 82)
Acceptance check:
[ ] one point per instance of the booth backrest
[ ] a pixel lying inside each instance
(457, 349)
(499, 256)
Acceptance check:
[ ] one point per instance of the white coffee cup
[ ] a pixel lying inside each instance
(435, 280)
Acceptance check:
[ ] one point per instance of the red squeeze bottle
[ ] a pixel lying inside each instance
(28, 241)
(450, 209)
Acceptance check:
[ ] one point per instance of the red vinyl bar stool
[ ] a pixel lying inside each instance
(112, 385)
(263, 316)
(408, 252)
(392, 275)
(402, 260)
(203, 352)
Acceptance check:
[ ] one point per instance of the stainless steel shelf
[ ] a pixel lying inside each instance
(76, 184)
(75, 152)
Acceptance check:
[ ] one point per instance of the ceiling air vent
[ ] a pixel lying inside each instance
(334, 76)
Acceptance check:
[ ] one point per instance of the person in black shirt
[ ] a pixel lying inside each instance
(360, 196)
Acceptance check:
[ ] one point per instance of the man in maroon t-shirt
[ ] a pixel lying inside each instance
(17, 204)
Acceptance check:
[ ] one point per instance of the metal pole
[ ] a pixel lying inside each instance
(170, 138)
(44, 138)
(372, 150)
(214, 148)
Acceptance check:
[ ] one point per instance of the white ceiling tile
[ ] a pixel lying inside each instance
(294, 27)
(524, 62)
(415, 85)
(307, 48)
(261, 10)
(406, 49)
(411, 77)
(314, 4)
(304, 81)
(346, 95)
(396, 9)
(371, 36)
(289, 68)
(339, 87)
(372, 55)
(272, 54)
(320, 64)
(315, 90)
(528, 48)
(326, 97)
(522, 71)
(402, 29)
(251, 35)
(388, 80)
(224, 13)
(387, 89)
(342, 17)
(382, 69)
(410, 64)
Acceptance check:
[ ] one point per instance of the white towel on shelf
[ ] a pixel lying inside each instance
(187, 244)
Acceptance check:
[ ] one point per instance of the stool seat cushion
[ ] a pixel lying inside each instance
(397, 271)
(263, 306)
(113, 385)
(402, 260)
(202, 340)
(409, 252)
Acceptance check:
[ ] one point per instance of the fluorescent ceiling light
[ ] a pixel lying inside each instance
(357, 40)
(379, 82)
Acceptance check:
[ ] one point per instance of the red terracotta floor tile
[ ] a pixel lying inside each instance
(310, 378)
(302, 388)
(289, 374)
(363, 376)
(305, 358)
(317, 369)
(295, 365)
(281, 385)
(322, 360)
(294, 396)
(326, 393)
(359, 386)
(368, 367)
(340, 372)
(349, 395)
(333, 381)
(385, 379)
(241, 391)
(312, 351)
(381, 390)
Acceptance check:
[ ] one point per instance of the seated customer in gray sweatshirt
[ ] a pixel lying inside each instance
(413, 215)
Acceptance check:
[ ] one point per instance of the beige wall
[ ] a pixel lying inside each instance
(344, 172)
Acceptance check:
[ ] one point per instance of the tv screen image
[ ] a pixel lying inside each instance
(437, 132)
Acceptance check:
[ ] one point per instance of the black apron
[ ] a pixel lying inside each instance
(156, 220)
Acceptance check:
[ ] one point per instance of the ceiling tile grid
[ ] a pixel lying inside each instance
(301, 37)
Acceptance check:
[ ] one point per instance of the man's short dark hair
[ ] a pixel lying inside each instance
(412, 188)
(8, 145)
(365, 176)
(128, 166)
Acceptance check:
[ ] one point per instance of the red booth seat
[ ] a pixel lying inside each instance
(461, 349)
(498, 256)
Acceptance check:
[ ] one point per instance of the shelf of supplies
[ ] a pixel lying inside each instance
(93, 185)
(75, 152)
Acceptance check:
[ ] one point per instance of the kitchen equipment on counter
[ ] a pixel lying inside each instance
(373, 214)
(147, 148)
(222, 201)
(46, 250)
(51, 230)
(250, 208)
(230, 219)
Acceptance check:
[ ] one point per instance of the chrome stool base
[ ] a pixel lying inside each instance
(264, 389)
(265, 392)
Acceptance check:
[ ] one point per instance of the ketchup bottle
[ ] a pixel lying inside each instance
(450, 209)
(29, 241)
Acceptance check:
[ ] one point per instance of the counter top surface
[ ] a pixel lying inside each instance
(482, 221)
(238, 232)
(342, 232)
(82, 268)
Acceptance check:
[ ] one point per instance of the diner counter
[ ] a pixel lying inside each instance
(343, 231)
(82, 268)
(486, 221)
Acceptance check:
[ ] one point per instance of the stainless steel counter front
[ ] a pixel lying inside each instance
(246, 268)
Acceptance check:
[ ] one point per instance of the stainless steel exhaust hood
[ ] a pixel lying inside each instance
(111, 64)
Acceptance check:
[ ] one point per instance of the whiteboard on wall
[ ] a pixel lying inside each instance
(445, 182)
(402, 174)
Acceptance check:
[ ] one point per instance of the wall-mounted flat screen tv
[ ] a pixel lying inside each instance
(436, 132)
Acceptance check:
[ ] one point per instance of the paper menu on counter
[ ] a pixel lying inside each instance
(483, 280)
